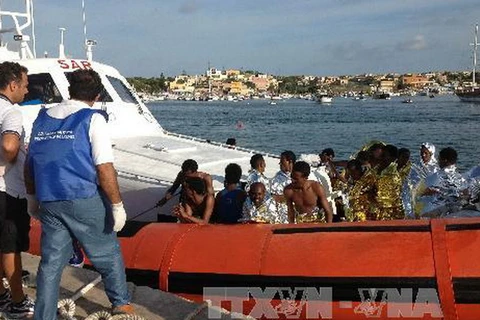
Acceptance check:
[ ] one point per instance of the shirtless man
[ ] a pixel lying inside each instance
(189, 170)
(197, 207)
(304, 197)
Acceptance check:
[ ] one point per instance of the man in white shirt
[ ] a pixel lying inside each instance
(281, 180)
(256, 174)
(14, 219)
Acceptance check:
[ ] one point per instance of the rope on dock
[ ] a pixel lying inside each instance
(66, 307)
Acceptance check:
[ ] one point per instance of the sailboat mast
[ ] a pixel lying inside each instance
(475, 46)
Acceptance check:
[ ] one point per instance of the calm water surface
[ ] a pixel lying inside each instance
(345, 125)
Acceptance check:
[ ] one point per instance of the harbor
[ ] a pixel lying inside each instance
(344, 125)
(300, 269)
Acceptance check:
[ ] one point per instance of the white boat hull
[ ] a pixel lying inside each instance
(326, 99)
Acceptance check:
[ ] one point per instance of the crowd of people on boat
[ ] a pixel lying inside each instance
(379, 182)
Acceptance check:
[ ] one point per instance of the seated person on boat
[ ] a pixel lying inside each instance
(189, 170)
(444, 192)
(197, 205)
(305, 198)
(361, 195)
(256, 172)
(229, 201)
(426, 166)
(389, 186)
(260, 207)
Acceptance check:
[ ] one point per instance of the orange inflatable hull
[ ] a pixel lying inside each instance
(383, 270)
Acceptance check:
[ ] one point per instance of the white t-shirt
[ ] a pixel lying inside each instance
(102, 151)
(11, 174)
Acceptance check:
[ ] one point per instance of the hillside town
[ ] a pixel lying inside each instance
(234, 84)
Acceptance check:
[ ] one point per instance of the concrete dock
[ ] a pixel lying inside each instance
(149, 303)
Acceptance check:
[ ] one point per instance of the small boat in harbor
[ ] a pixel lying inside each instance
(407, 101)
(358, 98)
(382, 95)
(324, 98)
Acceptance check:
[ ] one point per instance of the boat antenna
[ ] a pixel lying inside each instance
(33, 30)
(475, 47)
(89, 44)
(61, 46)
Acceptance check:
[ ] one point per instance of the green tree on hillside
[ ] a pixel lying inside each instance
(149, 85)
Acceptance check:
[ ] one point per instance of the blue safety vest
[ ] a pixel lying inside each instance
(60, 156)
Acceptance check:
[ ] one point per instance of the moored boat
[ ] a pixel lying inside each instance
(324, 98)
(382, 95)
(471, 93)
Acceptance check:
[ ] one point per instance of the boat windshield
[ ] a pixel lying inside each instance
(41, 90)
(104, 95)
(123, 92)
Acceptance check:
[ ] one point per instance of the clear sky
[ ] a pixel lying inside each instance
(282, 37)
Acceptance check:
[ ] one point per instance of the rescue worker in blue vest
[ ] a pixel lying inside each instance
(69, 171)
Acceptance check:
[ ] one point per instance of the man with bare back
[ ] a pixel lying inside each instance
(305, 198)
(189, 170)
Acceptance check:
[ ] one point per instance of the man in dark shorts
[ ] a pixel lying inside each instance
(14, 219)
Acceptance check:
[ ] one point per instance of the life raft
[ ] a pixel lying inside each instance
(419, 269)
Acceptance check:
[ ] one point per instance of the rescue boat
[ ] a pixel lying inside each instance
(423, 269)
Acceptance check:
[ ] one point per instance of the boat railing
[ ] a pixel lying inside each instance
(146, 156)
(25, 51)
(219, 144)
(142, 178)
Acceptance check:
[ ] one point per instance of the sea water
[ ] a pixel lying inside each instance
(307, 127)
